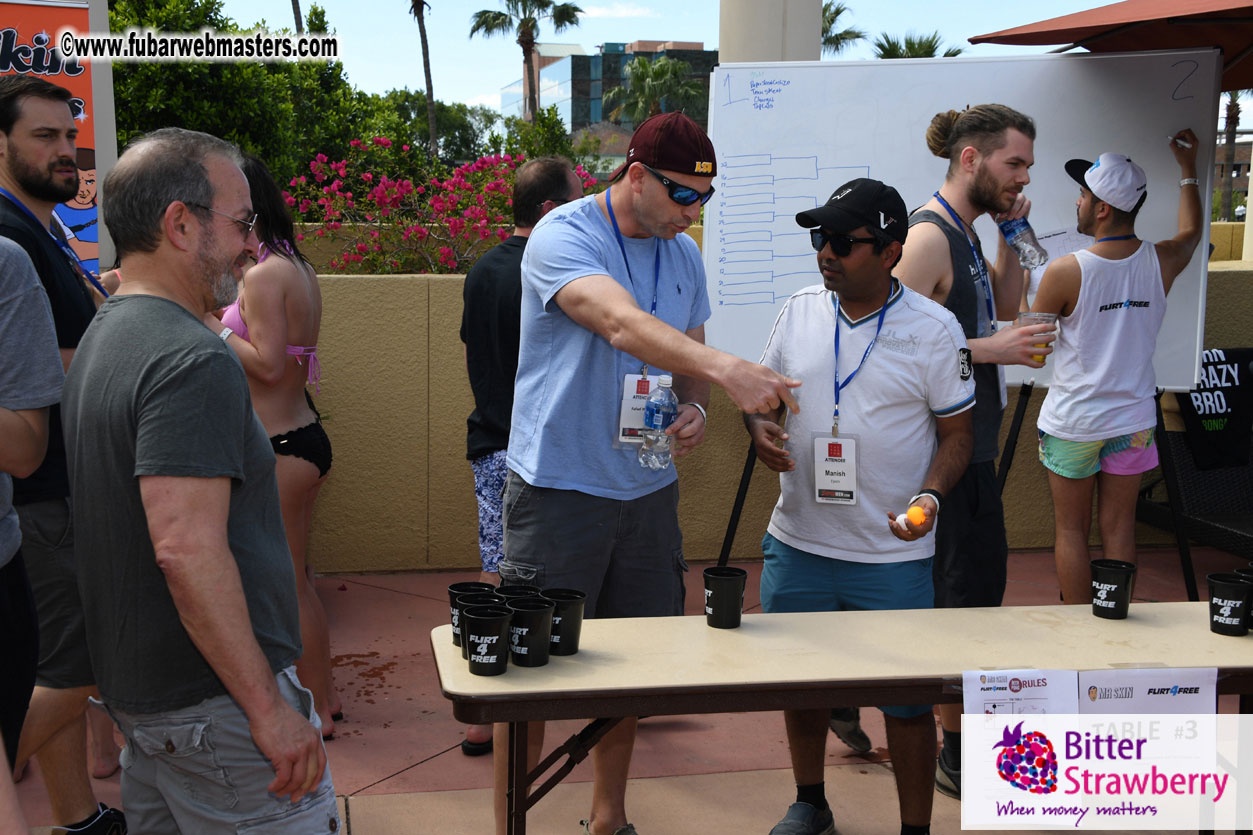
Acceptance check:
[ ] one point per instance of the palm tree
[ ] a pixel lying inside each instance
(522, 17)
(418, 9)
(646, 84)
(833, 42)
(913, 46)
(295, 10)
(1231, 123)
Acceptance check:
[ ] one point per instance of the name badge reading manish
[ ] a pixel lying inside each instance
(635, 391)
(835, 470)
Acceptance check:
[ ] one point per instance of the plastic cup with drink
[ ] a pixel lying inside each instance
(1035, 318)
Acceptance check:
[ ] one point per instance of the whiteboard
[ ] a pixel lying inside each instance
(787, 134)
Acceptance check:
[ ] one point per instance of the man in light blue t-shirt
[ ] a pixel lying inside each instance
(613, 297)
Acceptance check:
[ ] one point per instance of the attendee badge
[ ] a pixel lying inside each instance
(835, 470)
(635, 391)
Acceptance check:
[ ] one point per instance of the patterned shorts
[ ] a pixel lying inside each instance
(489, 488)
(1124, 455)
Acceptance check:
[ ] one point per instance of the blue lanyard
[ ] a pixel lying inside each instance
(656, 264)
(76, 264)
(835, 303)
(979, 263)
(1115, 238)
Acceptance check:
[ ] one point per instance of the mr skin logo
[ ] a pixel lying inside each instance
(1122, 305)
(1027, 761)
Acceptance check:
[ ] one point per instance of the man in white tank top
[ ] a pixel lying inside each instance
(1096, 424)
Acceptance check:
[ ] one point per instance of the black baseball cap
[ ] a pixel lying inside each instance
(673, 142)
(861, 202)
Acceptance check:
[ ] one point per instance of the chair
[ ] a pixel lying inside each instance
(1211, 506)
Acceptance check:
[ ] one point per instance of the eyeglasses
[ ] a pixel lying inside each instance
(841, 245)
(247, 225)
(683, 195)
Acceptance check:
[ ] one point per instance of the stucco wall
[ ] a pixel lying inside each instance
(1227, 240)
(395, 398)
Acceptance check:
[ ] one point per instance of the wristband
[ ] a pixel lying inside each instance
(1188, 181)
(700, 409)
(934, 494)
(226, 332)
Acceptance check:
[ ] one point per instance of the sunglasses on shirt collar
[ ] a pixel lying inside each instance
(841, 245)
(683, 195)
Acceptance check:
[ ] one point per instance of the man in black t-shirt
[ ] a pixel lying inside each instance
(489, 329)
(37, 172)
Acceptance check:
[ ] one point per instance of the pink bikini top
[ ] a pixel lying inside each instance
(233, 320)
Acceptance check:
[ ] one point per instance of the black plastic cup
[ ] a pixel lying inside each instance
(481, 598)
(510, 591)
(724, 596)
(487, 637)
(1229, 603)
(1111, 588)
(567, 620)
(1247, 574)
(530, 630)
(454, 591)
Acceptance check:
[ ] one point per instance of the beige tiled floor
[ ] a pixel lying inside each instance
(399, 769)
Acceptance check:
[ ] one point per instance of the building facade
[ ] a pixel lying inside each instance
(576, 83)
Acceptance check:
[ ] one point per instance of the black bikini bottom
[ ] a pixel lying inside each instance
(308, 442)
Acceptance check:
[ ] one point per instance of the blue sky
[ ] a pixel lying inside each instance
(379, 38)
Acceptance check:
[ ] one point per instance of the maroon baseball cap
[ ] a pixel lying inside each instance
(671, 141)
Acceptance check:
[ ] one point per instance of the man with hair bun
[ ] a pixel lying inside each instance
(989, 149)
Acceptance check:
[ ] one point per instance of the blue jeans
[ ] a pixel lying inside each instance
(197, 769)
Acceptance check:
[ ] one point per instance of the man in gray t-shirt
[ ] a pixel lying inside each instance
(184, 569)
(30, 382)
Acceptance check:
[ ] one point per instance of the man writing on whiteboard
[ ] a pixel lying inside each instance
(989, 149)
(1096, 424)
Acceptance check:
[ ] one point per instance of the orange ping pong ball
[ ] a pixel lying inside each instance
(916, 515)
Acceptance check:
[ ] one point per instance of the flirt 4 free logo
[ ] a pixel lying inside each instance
(1027, 761)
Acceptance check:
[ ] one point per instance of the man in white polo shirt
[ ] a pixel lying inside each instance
(885, 425)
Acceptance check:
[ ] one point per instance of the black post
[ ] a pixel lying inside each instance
(740, 495)
(1007, 455)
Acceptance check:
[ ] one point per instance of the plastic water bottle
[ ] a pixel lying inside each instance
(1019, 235)
(659, 413)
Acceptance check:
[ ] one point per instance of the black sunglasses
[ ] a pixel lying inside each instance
(841, 245)
(683, 195)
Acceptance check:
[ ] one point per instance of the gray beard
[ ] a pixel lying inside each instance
(225, 289)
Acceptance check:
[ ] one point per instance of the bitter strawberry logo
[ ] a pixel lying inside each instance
(1027, 761)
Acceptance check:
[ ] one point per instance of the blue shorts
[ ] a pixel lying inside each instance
(793, 580)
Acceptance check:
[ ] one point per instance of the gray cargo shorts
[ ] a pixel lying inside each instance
(197, 769)
(626, 555)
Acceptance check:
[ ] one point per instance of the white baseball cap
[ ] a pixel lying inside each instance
(1113, 178)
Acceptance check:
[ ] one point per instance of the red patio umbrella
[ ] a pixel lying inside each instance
(1136, 25)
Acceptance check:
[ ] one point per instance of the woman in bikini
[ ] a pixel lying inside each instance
(274, 330)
